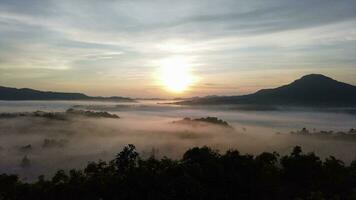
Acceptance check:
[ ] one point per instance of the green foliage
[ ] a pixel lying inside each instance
(202, 173)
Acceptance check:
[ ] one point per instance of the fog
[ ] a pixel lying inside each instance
(48, 144)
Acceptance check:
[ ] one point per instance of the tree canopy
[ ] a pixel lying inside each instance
(202, 173)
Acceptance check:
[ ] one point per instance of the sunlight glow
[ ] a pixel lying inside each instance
(175, 74)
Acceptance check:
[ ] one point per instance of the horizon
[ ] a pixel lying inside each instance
(177, 97)
(161, 49)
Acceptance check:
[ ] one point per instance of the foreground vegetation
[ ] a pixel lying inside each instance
(202, 173)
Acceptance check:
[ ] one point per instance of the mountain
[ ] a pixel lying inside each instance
(310, 90)
(7, 93)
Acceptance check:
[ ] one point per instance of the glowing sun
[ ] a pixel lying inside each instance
(175, 74)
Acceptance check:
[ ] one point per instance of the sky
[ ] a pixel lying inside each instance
(142, 48)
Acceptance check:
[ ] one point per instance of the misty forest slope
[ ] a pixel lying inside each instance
(310, 90)
(7, 93)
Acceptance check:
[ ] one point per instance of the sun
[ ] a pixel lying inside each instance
(175, 74)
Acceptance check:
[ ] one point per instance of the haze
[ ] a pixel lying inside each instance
(149, 126)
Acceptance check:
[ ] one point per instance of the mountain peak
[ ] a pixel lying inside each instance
(318, 76)
(315, 77)
(316, 83)
(312, 89)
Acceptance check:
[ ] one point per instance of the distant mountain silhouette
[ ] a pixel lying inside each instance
(7, 93)
(310, 90)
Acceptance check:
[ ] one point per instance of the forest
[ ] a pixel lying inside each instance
(201, 173)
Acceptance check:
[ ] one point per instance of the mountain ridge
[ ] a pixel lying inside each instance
(17, 94)
(309, 90)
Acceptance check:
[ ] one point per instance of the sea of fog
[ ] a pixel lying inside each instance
(148, 125)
